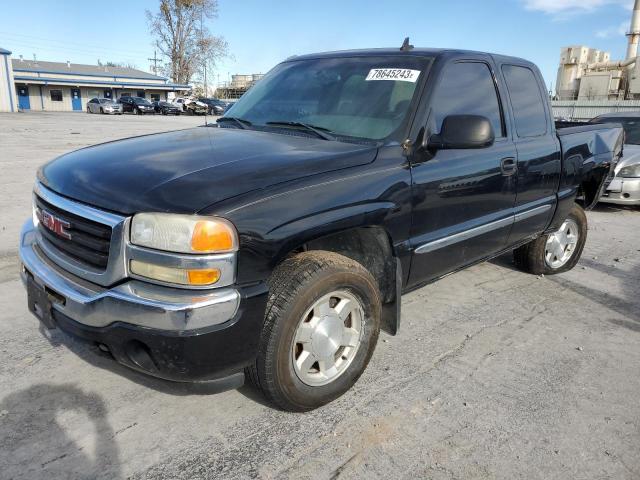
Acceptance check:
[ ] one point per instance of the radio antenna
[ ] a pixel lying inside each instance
(406, 46)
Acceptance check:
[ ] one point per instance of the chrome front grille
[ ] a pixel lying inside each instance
(83, 240)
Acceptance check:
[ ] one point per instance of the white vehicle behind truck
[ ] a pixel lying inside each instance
(624, 189)
(191, 106)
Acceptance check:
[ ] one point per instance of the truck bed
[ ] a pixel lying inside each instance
(590, 152)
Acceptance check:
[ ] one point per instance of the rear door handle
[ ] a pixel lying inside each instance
(508, 166)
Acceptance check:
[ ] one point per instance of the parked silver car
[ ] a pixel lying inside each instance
(104, 105)
(625, 187)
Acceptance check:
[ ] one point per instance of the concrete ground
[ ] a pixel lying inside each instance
(495, 373)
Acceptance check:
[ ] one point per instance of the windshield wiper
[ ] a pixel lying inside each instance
(242, 123)
(321, 132)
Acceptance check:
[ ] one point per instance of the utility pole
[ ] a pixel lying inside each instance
(155, 61)
(204, 59)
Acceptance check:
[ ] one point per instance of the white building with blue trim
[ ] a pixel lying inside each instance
(57, 86)
(8, 102)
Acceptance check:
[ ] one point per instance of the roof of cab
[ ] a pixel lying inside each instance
(415, 52)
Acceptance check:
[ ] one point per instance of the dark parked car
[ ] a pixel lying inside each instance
(277, 243)
(136, 105)
(216, 106)
(166, 108)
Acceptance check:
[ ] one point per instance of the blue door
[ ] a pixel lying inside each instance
(76, 100)
(23, 98)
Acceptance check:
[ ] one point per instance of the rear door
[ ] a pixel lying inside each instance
(539, 162)
(463, 199)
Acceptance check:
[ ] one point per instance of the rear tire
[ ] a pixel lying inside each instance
(555, 252)
(306, 358)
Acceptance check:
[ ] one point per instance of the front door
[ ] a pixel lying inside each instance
(76, 99)
(463, 198)
(23, 98)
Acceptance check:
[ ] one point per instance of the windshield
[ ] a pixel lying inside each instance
(365, 97)
(140, 101)
(105, 100)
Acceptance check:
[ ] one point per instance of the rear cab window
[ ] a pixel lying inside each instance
(528, 104)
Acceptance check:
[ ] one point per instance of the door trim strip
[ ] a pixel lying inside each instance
(532, 213)
(480, 230)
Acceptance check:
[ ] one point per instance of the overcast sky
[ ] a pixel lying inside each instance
(261, 33)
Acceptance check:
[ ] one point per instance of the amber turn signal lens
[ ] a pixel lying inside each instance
(210, 236)
(203, 277)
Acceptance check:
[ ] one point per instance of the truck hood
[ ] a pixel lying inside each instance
(185, 171)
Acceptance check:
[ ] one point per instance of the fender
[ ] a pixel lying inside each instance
(274, 223)
(304, 230)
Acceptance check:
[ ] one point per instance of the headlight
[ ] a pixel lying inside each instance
(179, 276)
(183, 233)
(630, 171)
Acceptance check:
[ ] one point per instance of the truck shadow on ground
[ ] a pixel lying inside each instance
(627, 304)
(36, 444)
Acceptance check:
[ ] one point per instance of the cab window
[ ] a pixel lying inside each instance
(468, 88)
(526, 100)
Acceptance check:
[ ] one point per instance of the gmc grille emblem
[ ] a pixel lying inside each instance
(55, 224)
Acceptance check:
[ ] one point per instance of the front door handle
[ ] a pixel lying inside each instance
(508, 166)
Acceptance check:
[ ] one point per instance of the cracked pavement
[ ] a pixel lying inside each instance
(494, 374)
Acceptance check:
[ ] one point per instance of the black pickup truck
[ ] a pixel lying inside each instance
(277, 243)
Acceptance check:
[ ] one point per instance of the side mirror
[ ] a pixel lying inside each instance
(463, 131)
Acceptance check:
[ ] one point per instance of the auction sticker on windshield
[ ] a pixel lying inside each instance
(398, 74)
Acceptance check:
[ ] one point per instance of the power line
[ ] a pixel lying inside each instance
(102, 53)
(31, 38)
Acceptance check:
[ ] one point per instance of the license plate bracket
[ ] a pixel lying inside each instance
(40, 304)
(615, 186)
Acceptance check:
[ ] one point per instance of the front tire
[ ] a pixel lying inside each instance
(558, 251)
(321, 327)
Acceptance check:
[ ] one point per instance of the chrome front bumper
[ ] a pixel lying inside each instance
(623, 191)
(134, 302)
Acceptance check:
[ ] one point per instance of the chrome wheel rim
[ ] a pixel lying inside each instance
(561, 244)
(327, 338)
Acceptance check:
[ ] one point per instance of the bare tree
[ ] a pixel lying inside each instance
(117, 64)
(183, 39)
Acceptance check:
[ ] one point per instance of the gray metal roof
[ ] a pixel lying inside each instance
(79, 69)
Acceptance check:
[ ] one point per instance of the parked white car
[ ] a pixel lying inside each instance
(625, 187)
(104, 105)
(191, 105)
